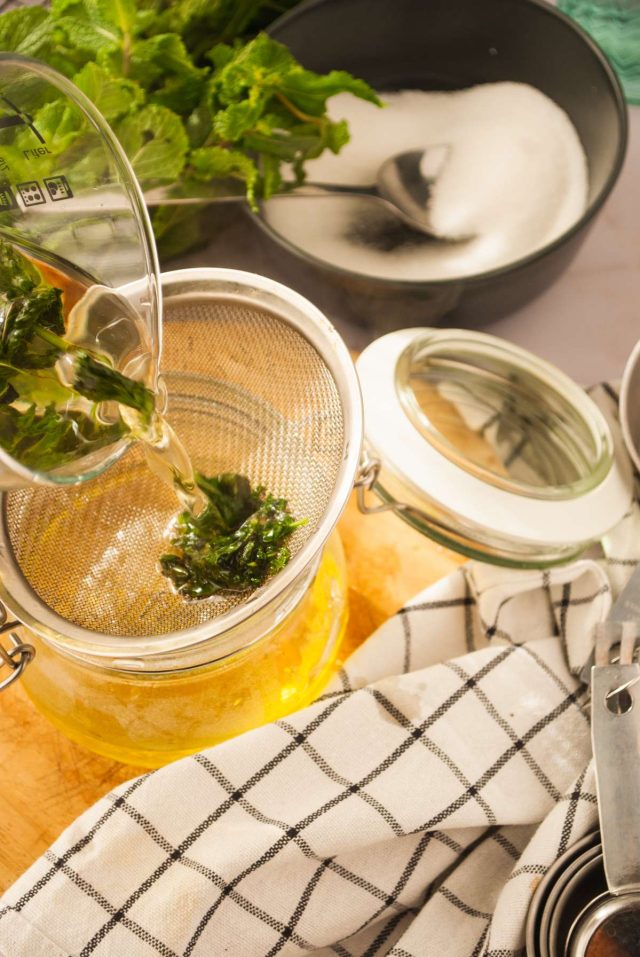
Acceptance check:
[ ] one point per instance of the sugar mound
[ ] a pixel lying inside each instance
(515, 179)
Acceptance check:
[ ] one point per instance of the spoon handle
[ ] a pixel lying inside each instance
(311, 189)
(227, 192)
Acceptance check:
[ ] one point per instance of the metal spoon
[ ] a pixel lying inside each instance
(609, 925)
(404, 184)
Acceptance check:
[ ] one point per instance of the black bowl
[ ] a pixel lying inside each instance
(444, 45)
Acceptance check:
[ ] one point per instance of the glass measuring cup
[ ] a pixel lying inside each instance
(69, 200)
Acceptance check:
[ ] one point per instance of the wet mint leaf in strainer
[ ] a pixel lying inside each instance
(234, 545)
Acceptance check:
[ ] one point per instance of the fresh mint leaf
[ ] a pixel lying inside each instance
(262, 62)
(59, 123)
(284, 139)
(18, 277)
(96, 25)
(163, 66)
(263, 102)
(39, 387)
(221, 54)
(234, 545)
(239, 118)
(60, 8)
(122, 14)
(271, 175)
(113, 96)
(155, 142)
(199, 125)
(309, 91)
(91, 38)
(178, 228)
(337, 135)
(22, 318)
(211, 162)
(27, 31)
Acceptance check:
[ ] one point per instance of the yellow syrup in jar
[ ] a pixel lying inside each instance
(148, 718)
(161, 705)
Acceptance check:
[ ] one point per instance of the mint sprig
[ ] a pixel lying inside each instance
(40, 423)
(189, 89)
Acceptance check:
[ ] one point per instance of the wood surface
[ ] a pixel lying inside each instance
(46, 780)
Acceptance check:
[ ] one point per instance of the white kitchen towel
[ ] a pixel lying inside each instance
(410, 812)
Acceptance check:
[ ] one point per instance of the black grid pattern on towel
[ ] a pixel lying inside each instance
(396, 817)
(387, 912)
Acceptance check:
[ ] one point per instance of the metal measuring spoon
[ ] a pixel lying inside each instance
(544, 900)
(404, 184)
(609, 926)
(571, 889)
(587, 882)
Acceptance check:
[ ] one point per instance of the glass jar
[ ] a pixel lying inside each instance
(147, 711)
(260, 384)
(488, 449)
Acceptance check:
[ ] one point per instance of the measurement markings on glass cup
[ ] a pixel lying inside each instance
(7, 198)
(34, 193)
(31, 192)
(18, 117)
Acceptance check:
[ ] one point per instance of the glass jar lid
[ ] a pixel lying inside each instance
(489, 449)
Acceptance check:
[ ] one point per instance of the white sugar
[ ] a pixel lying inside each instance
(515, 179)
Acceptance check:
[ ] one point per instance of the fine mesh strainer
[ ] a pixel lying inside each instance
(258, 382)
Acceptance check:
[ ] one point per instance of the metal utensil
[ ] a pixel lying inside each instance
(557, 896)
(615, 730)
(271, 392)
(404, 184)
(625, 609)
(592, 892)
(536, 934)
(605, 923)
(585, 884)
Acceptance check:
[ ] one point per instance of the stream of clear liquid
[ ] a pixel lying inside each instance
(167, 458)
(104, 323)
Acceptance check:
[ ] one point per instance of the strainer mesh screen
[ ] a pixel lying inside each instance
(247, 393)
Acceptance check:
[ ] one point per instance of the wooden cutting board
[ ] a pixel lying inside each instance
(47, 780)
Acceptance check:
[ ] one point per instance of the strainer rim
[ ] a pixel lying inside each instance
(303, 316)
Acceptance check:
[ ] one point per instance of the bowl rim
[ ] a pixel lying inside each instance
(479, 278)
